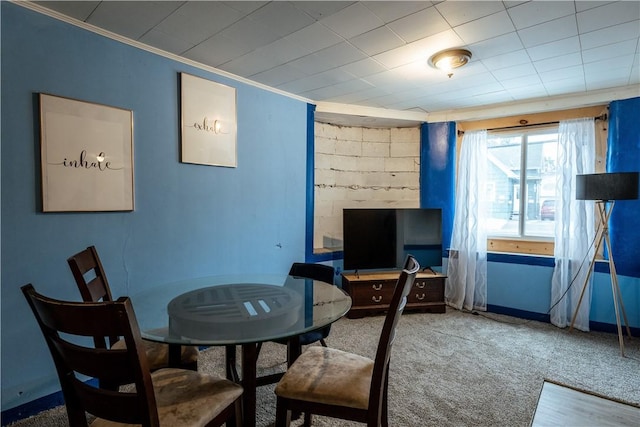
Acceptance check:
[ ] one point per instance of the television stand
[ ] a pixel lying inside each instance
(371, 292)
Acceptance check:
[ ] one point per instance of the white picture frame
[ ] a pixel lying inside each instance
(208, 122)
(86, 152)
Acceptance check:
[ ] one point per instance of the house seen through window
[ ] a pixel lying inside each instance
(521, 190)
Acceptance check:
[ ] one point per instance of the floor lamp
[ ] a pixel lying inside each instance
(605, 189)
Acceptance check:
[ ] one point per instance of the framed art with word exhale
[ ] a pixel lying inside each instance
(208, 122)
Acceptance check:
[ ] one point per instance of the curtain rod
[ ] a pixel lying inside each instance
(602, 117)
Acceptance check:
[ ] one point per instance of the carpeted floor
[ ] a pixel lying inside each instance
(459, 369)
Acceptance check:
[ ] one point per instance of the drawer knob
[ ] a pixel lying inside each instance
(420, 297)
(376, 287)
(421, 285)
(376, 299)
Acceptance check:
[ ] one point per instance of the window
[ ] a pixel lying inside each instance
(521, 182)
(521, 234)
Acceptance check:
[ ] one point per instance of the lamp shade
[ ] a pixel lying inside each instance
(607, 186)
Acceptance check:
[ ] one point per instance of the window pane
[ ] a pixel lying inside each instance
(521, 201)
(503, 184)
(541, 188)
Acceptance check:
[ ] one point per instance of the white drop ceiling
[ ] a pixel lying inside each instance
(369, 59)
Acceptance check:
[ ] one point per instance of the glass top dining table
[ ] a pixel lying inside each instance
(240, 310)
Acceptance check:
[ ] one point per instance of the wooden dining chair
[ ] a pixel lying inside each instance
(338, 384)
(92, 282)
(321, 272)
(167, 397)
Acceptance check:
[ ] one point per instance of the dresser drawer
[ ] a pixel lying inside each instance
(375, 292)
(427, 290)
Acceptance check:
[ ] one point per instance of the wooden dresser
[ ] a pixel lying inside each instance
(371, 292)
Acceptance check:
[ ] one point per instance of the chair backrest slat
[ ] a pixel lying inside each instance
(83, 264)
(322, 272)
(112, 365)
(67, 327)
(92, 283)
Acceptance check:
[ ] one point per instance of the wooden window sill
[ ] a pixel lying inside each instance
(520, 246)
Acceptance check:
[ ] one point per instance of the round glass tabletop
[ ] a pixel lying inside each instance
(224, 310)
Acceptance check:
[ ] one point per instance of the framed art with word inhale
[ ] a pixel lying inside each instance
(86, 154)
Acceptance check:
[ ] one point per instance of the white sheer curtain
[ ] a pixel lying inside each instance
(466, 284)
(574, 224)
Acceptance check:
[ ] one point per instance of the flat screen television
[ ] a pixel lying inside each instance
(380, 239)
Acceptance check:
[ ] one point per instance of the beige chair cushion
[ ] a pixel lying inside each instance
(327, 375)
(186, 398)
(158, 354)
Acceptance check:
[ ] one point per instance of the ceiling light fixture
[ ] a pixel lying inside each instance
(450, 59)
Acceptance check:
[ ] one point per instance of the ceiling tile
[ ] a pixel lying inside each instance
(320, 9)
(346, 87)
(320, 80)
(79, 10)
(609, 82)
(565, 86)
(335, 77)
(249, 34)
(554, 49)
(485, 28)
(352, 21)
(278, 75)
(635, 75)
(363, 68)
(281, 17)
(575, 72)
(310, 64)
(246, 7)
(497, 97)
(422, 24)
(509, 73)
(315, 37)
(460, 12)
(507, 60)
(536, 12)
(523, 81)
(389, 11)
(550, 64)
(216, 51)
(608, 15)
(621, 65)
(605, 36)
(284, 50)
(196, 21)
(627, 47)
(376, 41)
(252, 63)
(166, 42)
(339, 54)
(536, 90)
(131, 19)
(582, 5)
(557, 29)
(500, 45)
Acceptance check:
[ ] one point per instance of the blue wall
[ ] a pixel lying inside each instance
(624, 156)
(189, 220)
(438, 172)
